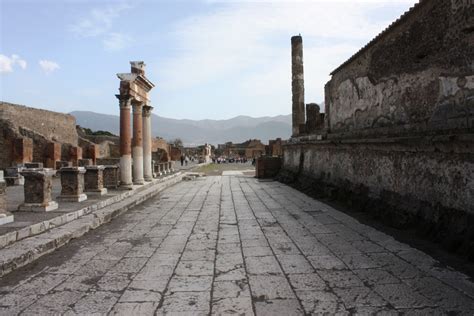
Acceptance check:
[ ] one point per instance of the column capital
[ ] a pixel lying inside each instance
(147, 110)
(137, 106)
(124, 100)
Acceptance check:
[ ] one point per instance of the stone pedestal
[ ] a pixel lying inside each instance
(37, 188)
(13, 176)
(94, 180)
(72, 184)
(62, 164)
(111, 176)
(5, 217)
(85, 162)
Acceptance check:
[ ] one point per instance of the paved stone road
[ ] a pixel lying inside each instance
(231, 244)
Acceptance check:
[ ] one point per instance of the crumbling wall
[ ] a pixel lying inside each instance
(422, 182)
(416, 77)
(53, 126)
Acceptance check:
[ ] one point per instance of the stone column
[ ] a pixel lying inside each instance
(94, 180)
(137, 144)
(125, 143)
(297, 84)
(5, 217)
(37, 188)
(72, 184)
(147, 166)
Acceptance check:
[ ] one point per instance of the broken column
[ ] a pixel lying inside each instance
(147, 164)
(137, 144)
(5, 216)
(94, 180)
(37, 190)
(125, 143)
(297, 85)
(72, 184)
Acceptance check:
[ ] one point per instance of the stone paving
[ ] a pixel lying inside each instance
(232, 244)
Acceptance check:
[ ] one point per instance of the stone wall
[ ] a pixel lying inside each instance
(398, 140)
(419, 182)
(415, 77)
(53, 126)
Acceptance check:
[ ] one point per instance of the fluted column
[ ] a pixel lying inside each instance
(125, 143)
(137, 144)
(147, 168)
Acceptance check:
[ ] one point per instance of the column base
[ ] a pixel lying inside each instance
(125, 186)
(139, 182)
(6, 218)
(38, 207)
(148, 179)
(72, 198)
(98, 192)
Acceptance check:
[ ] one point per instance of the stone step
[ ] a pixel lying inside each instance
(64, 228)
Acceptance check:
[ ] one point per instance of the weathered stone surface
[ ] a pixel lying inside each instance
(37, 188)
(94, 180)
(102, 273)
(72, 184)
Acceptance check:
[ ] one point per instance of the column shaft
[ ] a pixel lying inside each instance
(125, 143)
(147, 167)
(137, 144)
(297, 84)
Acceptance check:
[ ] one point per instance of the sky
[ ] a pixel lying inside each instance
(208, 59)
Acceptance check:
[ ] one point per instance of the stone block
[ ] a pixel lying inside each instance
(36, 165)
(268, 167)
(53, 154)
(72, 184)
(22, 150)
(94, 180)
(62, 164)
(75, 154)
(37, 188)
(111, 176)
(85, 162)
(5, 217)
(13, 176)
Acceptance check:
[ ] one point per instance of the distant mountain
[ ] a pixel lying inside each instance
(198, 132)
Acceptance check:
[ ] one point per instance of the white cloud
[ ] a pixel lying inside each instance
(99, 23)
(116, 41)
(48, 66)
(7, 63)
(250, 42)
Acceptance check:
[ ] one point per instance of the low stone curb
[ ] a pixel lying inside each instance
(25, 251)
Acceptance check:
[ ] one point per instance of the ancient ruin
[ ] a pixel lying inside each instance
(37, 190)
(134, 89)
(398, 126)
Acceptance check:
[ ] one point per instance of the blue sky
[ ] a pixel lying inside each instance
(208, 58)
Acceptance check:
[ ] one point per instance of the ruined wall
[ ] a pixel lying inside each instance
(416, 77)
(399, 128)
(53, 126)
(421, 182)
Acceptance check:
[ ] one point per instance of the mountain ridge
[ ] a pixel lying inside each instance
(198, 132)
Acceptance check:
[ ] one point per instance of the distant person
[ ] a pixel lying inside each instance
(186, 160)
(182, 160)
